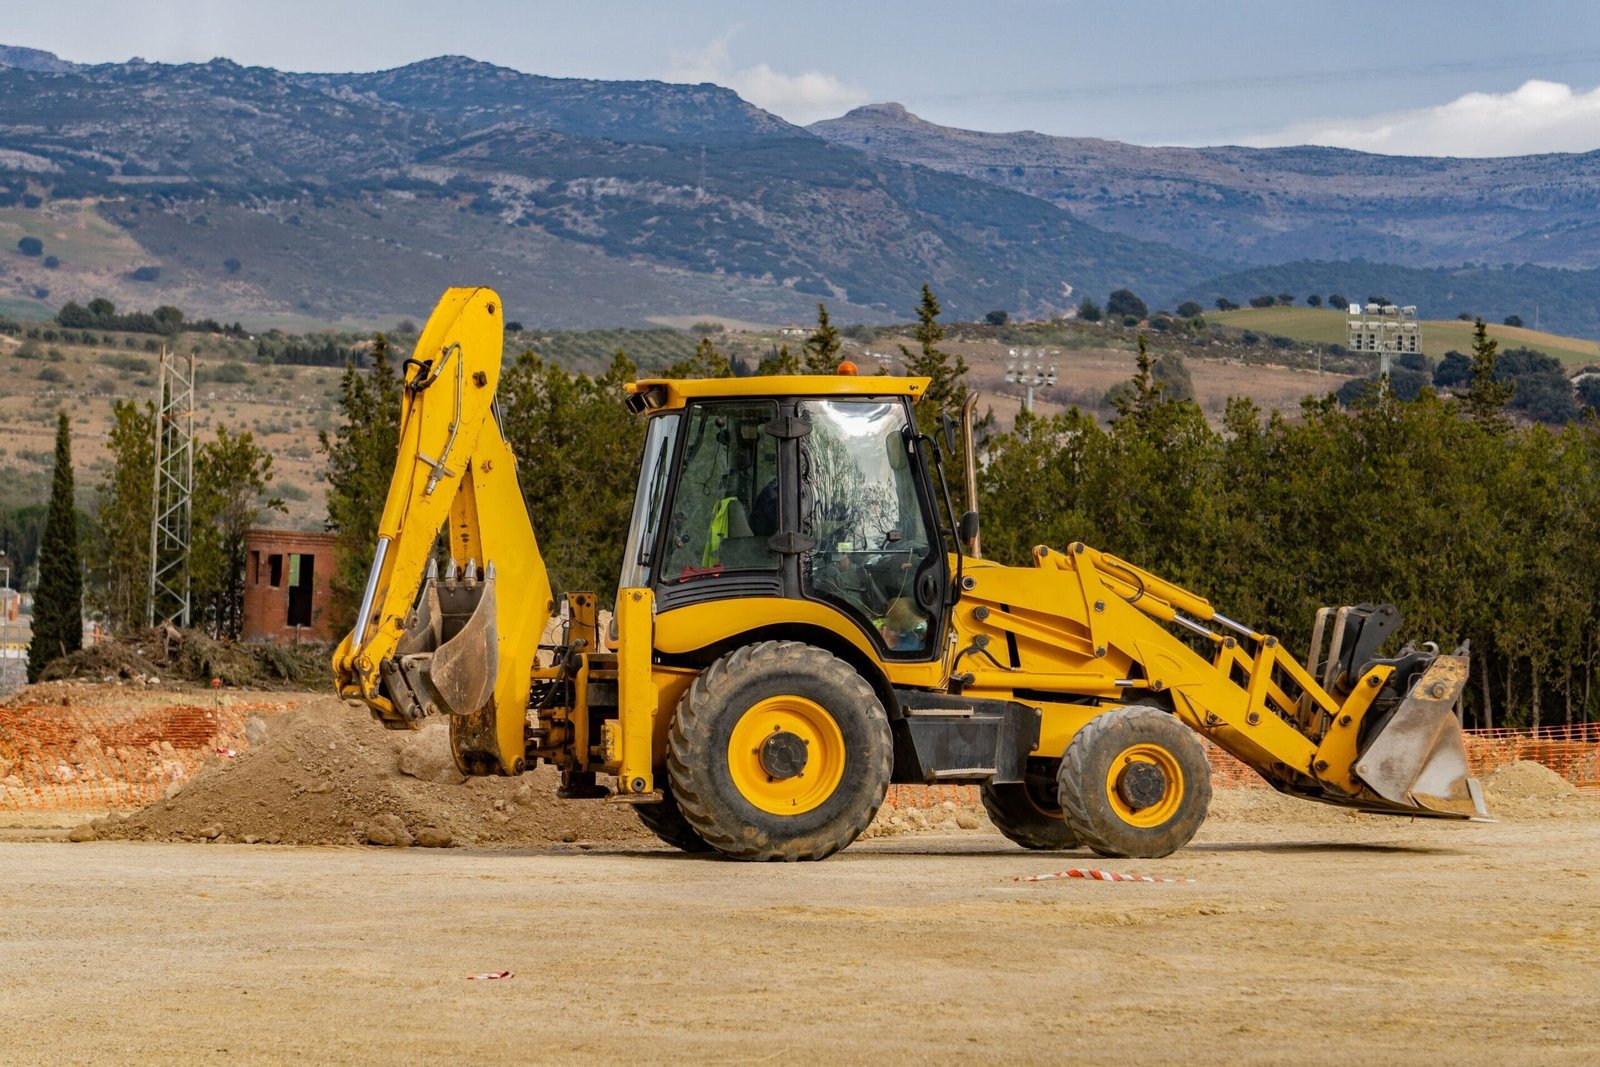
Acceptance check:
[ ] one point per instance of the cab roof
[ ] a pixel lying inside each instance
(665, 393)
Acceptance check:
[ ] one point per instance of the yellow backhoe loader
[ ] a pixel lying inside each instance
(803, 619)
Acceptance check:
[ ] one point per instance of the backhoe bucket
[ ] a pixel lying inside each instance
(1418, 759)
(449, 656)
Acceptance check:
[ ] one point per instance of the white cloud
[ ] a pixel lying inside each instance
(1539, 116)
(800, 98)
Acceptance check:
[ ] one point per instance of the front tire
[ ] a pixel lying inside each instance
(779, 751)
(1134, 782)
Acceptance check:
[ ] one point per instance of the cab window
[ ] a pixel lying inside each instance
(725, 506)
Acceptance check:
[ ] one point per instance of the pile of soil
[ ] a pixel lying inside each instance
(165, 654)
(1527, 780)
(947, 818)
(327, 774)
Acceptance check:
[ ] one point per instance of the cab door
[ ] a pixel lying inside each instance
(866, 508)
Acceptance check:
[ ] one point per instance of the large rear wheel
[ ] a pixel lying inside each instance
(779, 751)
(1134, 782)
(1029, 813)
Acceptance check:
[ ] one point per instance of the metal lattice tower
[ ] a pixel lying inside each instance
(172, 491)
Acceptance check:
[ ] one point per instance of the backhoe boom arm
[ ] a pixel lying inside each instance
(459, 647)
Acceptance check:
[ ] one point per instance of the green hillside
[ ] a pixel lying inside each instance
(1327, 326)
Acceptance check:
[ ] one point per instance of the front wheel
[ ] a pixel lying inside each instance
(1134, 782)
(779, 751)
(1029, 813)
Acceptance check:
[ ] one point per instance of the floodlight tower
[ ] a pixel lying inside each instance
(1385, 329)
(172, 491)
(1026, 367)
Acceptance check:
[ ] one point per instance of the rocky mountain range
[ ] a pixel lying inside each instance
(1267, 205)
(247, 192)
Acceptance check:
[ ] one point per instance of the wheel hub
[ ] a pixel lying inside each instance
(1141, 785)
(783, 755)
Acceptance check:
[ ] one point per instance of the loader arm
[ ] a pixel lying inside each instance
(1372, 734)
(463, 643)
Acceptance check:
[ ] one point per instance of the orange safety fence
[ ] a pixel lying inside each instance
(1572, 751)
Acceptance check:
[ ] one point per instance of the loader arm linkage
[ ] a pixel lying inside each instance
(1381, 742)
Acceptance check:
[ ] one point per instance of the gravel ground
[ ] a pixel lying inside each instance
(1332, 939)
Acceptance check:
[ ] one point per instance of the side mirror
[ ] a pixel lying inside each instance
(949, 426)
(967, 528)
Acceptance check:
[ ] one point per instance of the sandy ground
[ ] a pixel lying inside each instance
(1331, 939)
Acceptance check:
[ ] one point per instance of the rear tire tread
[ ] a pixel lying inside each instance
(690, 743)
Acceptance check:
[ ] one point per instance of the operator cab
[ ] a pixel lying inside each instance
(815, 488)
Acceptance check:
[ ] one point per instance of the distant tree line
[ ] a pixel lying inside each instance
(102, 314)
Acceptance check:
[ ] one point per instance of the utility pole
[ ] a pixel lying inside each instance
(171, 491)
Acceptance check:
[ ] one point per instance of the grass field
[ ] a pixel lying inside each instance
(72, 231)
(1327, 326)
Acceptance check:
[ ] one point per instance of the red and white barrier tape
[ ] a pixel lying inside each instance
(1097, 876)
(491, 976)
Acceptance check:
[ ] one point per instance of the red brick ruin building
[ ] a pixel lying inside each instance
(286, 586)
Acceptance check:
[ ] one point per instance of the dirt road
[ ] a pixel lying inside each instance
(1341, 940)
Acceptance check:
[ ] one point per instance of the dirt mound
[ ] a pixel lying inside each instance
(327, 774)
(164, 655)
(1527, 780)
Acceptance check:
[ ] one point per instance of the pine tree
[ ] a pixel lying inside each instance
(361, 458)
(58, 602)
(946, 373)
(1486, 397)
(822, 346)
(1144, 396)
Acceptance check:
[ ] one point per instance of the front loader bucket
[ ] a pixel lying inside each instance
(1418, 758)
(449, 656)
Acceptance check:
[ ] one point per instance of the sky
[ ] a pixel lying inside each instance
(1413, 77)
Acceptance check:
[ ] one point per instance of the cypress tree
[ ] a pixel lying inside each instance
(57, 603)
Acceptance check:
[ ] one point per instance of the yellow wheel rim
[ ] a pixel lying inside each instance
(1126, 762)
(770, 727)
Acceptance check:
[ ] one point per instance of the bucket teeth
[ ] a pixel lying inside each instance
(432, 572)
(472, 570)
(450, 570)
